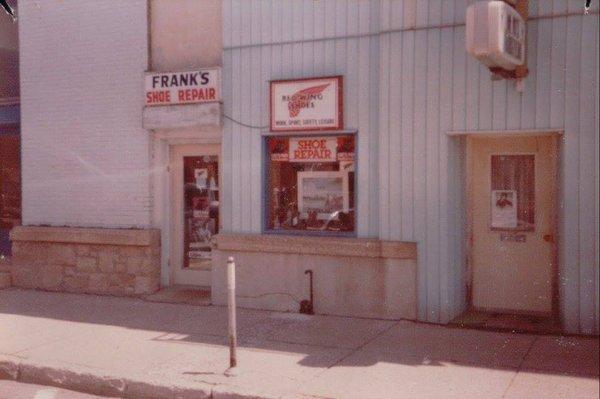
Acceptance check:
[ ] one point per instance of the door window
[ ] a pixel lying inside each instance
(513, 192)
(201, 208)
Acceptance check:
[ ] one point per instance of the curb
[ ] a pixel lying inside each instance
(59, 376)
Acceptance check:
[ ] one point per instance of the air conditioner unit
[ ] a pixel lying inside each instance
(495, 34)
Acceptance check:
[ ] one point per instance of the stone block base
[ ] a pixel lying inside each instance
(5, 280)
(97, 261)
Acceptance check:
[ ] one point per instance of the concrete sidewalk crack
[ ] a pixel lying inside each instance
(519, 367)
(358, 348)
(352, 351)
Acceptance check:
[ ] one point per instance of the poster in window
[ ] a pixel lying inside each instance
(200, 176)
(504, 209)
(323, 195)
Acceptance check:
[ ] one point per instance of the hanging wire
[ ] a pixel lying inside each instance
(243, 124)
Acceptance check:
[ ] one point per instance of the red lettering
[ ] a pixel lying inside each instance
(158, 97)
(189, 95)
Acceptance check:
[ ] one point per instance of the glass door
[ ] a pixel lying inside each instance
(201, 209)
(194, 176)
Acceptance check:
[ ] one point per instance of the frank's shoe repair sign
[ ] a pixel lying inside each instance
(167, 88)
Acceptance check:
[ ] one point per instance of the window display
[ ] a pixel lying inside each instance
(310, 184)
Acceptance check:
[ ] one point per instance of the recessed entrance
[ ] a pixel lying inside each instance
(194, 176)
(511, 191)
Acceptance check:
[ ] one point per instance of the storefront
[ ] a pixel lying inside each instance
(351, 154)
(429, 128)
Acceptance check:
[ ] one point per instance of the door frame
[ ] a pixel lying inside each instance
(176, 212)
(554, 286)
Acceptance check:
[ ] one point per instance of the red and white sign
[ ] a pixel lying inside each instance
(189, 87)
(307, 104)
(313, 149)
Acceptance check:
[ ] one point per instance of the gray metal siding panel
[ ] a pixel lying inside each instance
(403, 91)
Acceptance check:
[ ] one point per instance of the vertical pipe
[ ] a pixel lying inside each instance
(231, 309)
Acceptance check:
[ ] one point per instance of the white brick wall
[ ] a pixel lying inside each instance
(85, 155)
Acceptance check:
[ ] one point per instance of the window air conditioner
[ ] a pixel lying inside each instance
(495, 34)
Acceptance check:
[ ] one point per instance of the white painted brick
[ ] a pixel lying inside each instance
(85, 156)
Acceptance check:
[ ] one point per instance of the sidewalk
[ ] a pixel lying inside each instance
(132, 348)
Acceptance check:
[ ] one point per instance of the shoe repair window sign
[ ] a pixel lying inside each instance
(307, 104)
(188, 87)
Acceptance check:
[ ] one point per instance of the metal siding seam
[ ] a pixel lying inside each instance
(569, 256)
(587, 133)
(460, 72)
(408, 145)
(597, 145)
(255, 139)
(373, 126)
(446, 260)
(420, 150)
(395, 147)
(384, 137)
(528, 98)
(544, 47)
(432, 216)
(485, 99)
(557, 99)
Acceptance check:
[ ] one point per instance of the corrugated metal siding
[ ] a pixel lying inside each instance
(288, 30)
(408, 81)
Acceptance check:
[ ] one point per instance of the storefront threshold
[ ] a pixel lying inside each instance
(494, 321)
(183, 294)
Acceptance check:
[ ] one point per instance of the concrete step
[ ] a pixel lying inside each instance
(5, 280)
(184, 294)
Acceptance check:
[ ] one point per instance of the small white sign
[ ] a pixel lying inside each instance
(323, 193)
(313, 149)
(188, 87)
(504, 209)
(307, 104)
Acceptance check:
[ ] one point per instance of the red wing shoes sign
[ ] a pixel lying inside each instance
(307, 104)
(167, 88)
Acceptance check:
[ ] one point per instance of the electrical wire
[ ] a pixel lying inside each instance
(244, 124)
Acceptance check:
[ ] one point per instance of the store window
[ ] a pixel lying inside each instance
(310, 184)
(10, 185)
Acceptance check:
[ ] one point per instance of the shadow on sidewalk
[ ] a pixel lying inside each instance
(319, 341)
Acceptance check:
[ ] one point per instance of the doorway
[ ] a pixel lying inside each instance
(195, 205)
(511, 191)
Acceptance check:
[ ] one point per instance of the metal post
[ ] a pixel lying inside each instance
(231, 309)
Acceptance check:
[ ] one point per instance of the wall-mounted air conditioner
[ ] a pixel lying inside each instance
(495, 34)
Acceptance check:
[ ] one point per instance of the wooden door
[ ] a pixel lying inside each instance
(512, 201)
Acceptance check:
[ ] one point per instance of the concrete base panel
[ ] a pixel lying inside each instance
(370, 283)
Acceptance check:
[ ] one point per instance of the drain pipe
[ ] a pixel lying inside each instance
(307, 307)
